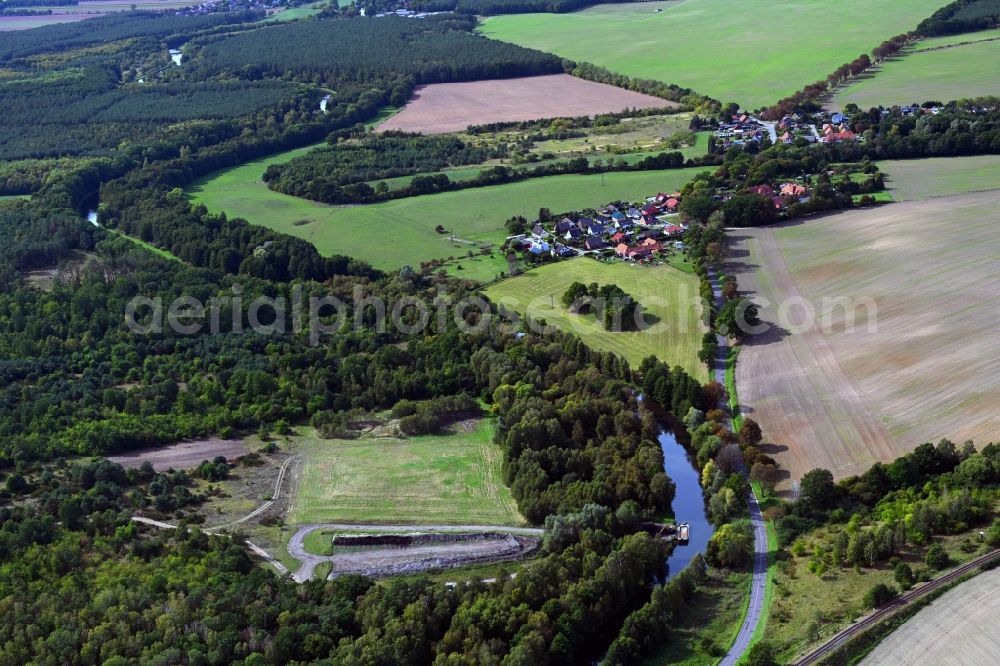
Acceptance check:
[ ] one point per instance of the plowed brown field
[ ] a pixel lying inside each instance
(827, 396)
(451, 107)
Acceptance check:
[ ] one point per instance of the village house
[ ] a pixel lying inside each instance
(538, 231)
(595, 243)
(564, 225)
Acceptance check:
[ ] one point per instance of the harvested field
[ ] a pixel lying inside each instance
(940, 176)
(450, 107)
(957, 628)
(829, 396)
(183, 455)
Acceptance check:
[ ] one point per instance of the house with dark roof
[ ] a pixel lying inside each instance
(564, 225)
(594, 243)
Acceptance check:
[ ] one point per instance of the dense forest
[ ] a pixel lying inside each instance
(961, 16)
(431, 50)
(111, 28)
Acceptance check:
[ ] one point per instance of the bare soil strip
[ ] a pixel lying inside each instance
(842, 399)
(183, 455)
(451, 107)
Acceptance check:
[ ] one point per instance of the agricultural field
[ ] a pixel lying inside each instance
(667, 294)
(393, 233)
(451, 107)
(930, 71)
(907, 180)
(85, 10)
(919, 363)
(711, 47)
(438, 479)
(960, 626)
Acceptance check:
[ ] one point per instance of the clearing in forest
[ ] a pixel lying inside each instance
(451, 107)
(746, 51)
(669, 296)
(923, 273)
(182, 455)
(452, 478)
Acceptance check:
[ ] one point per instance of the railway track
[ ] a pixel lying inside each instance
(842, 637)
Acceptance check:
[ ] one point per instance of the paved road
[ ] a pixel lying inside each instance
(758, 582)
(296, 545)
(263, 507)
(842, 637)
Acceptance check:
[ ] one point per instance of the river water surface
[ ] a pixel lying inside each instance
(688, 504)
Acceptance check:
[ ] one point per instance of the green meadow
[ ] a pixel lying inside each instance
(668, 295)
(752, 52)
(393, 233)
(435, 479)
(931, 72)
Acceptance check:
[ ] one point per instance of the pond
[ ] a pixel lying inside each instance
(688, 504)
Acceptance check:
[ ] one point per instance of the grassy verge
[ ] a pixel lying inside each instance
(734, 400)
(861, 645)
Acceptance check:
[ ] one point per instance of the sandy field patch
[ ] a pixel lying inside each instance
(958, 628)
(183, 455)
(450, 107)
(843, 399)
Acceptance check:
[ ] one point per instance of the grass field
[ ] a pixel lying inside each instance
(666, 293)
(908, 180)
(959, 627)
(942, 73)
(920, 363)
(746, 51)
(439, 479)
(808, 609)
(398, 232)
